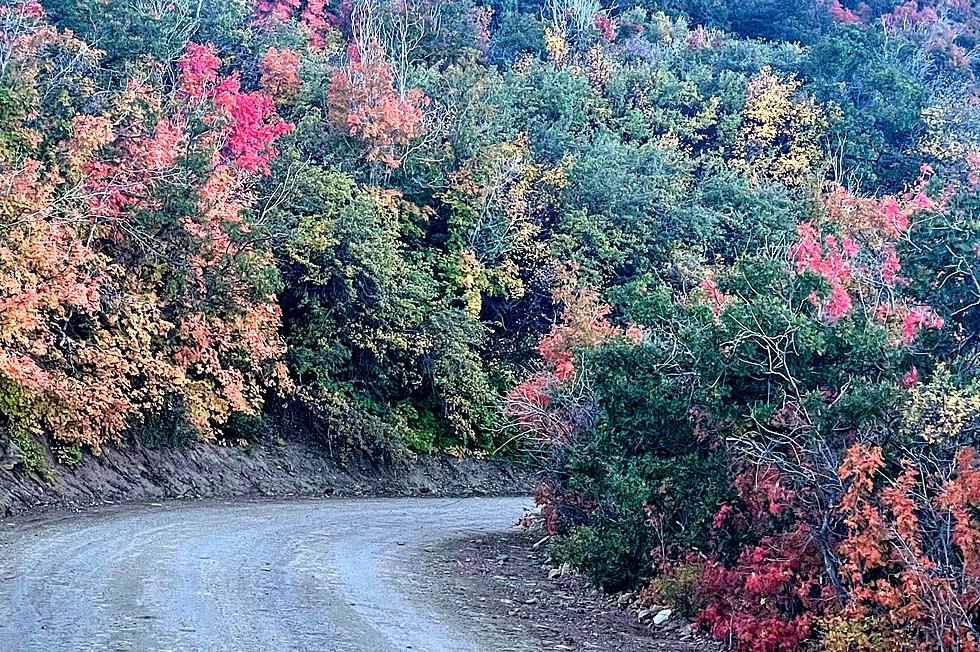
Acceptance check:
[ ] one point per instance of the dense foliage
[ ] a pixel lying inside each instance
(712, 264)
(776, 431)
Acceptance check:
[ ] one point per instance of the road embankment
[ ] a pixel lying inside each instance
(139, 474)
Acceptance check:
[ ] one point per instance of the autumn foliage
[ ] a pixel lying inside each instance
(314, 17)
(111, 311)
(363, 103)
(536, 404)
(712, 266)
(834, 531)
(280, 74)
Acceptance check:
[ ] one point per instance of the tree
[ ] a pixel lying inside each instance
(133, 282)
(780, 134)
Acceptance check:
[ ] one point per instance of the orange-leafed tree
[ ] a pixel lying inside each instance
(132, 282)
(369, 97)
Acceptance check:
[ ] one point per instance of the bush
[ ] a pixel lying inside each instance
(163, 429)
(68, 455)
(749, 431)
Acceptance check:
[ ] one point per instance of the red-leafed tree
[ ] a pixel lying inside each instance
(245, 122)
(314, 17)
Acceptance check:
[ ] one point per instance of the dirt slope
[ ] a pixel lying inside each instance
(137, 474)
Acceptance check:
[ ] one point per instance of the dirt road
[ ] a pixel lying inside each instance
(331, 575)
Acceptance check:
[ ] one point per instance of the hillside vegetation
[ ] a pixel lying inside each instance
(713, 265)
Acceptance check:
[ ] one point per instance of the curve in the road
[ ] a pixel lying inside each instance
(331, 575)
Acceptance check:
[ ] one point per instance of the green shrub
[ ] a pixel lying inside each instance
(676, 587)
(32, 453)
(18, 416)
(250, 428)
(68, 455)
(167, 428)
(605, 555)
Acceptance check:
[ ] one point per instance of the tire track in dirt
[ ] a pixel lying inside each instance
(336, 575)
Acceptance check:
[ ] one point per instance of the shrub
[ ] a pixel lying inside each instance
(68, 455)
(768, 432)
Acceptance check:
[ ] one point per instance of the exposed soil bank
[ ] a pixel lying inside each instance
(138, 474)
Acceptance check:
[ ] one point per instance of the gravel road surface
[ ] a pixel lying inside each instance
(332, 575)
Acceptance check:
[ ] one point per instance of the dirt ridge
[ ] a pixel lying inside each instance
(139, 474)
